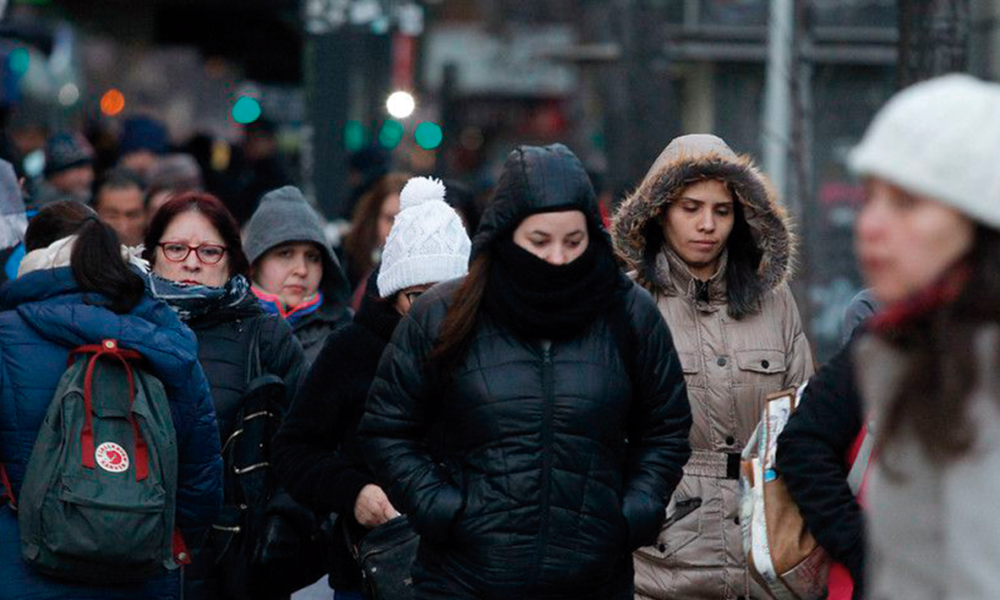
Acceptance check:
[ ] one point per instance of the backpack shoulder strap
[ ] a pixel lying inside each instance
(856, 476)
(8, 490)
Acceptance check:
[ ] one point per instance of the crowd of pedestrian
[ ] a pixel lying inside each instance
(202, 398)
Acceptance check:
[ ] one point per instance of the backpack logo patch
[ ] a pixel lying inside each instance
(111, 457)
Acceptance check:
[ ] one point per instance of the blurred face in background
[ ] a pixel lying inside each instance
(140, 162)
(75, 181)
(558, 238)
(124, 209)
(190, 230)
(697, 225)
(905, 242)
(291, 271)
(386, 217)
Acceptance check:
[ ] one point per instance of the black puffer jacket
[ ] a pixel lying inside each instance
(319, 458)
(223, 343)
(555, 463)
(223, 349)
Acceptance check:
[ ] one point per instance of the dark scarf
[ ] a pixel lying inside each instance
(191, 302)
(538, 300)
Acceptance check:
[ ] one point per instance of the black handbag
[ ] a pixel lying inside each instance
(260, 553)
(386, 556)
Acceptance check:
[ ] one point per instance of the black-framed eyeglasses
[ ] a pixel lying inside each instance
(209, 254)
(412, 296)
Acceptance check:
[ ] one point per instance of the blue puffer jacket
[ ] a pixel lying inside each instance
(43, 316)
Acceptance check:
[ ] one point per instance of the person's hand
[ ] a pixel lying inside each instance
(372, 508)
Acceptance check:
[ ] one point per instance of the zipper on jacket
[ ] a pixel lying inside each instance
(547, 415)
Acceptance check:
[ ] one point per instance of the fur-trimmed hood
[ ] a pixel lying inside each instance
(636, 229)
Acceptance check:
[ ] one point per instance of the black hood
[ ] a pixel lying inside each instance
(534, 180)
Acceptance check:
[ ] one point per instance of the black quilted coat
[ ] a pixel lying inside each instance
(558, 458)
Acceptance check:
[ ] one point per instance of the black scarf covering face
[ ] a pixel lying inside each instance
(538, 300)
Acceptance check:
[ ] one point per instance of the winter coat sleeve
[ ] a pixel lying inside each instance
(659, 424)
(312, 462)
(800, 359)
(812, 453)
(394, 434)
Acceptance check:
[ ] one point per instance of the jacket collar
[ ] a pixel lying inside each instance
(675, 278)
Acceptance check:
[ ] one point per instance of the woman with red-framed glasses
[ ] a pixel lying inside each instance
(200, 270)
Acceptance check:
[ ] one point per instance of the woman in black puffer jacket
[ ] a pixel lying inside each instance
(559, 394)
(209, 290)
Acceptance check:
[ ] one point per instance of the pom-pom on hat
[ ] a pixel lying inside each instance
(427, 243)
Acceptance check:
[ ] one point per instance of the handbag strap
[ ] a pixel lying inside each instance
(253, 364)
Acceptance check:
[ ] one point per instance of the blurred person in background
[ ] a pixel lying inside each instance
(74, 288)
(13, 222)
(142, 141)
(706, 236)
(200, 270)
(171, 175)
(365, 168)
(320, 458)
(928, 240)
(120, 201)
(69, 171)
(370, 225)
(460, 197)
(295, 274)
(258, 168)
(531, 418)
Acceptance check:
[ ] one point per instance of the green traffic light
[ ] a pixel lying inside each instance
(19, 61)
(391, 134)
(246, 110)
(355, 136)
(428, 135)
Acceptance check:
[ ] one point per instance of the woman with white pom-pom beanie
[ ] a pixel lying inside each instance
(319, 459)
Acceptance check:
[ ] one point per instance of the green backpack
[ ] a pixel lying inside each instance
(98, 498)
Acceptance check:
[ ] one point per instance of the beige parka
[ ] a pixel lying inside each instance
(730, 364)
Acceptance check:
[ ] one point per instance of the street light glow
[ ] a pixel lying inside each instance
(401, 105)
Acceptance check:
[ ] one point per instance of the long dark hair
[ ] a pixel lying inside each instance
(362, 241)
(942, 369)
(96, 260)
(217, 214)
(744, 287)
(460, 322)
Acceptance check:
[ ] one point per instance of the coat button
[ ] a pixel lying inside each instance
(722, 361)
(736, 520)
(730, 441)
(741, 598)
(661, 547)
(765, 364)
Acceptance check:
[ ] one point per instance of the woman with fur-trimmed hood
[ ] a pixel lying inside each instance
(704, 233)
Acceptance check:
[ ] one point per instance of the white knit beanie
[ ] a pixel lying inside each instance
(940, 139)
(427, 242)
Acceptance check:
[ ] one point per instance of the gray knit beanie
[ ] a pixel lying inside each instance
(283, 215)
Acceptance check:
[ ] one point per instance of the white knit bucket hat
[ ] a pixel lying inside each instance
(940, 139)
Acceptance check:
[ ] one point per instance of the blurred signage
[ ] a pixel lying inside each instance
(507, 64)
